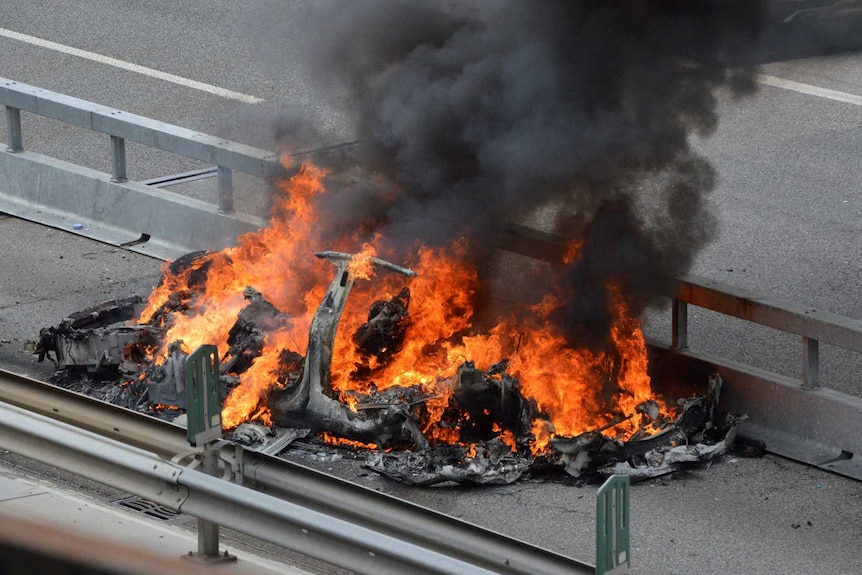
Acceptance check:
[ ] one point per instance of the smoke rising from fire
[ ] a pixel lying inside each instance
(474, 114)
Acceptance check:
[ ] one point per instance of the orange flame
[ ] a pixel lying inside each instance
(567, 384)
(360, 265)
(335, 440)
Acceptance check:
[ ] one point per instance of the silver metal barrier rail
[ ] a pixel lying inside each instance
(795, 418)
(121, 126)
(688, 289)
(312, 533)
(284, 480)
(813, 325)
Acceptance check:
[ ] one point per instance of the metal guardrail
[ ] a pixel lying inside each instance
(121, 126)
(336, 498)
(799, 419)
(138, 215)
(812, 324)
(688, 289)
(265, 517)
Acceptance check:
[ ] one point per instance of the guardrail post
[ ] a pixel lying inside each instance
(204, 426)
(13, 127)
(679, 324)
(207, 530)
(118, 159)
(225, 190)
(810, 363)
(613, 544)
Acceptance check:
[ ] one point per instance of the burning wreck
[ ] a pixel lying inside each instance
(403, 376)
(574, 114)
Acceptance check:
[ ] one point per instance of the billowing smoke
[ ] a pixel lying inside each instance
(473, 114)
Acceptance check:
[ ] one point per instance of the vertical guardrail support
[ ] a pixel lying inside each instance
(679, 324)
(118, 159)
(15, 142)
(225, 190)
(810, 363)
(613, 543)
(204, 427)
(208, 532)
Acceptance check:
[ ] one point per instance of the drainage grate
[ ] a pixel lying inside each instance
(147, 508)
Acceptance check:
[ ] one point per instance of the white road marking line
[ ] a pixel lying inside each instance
(223, 92)
(809, 89)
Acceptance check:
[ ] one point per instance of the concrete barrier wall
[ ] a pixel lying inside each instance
(59, 194)
(819, 426)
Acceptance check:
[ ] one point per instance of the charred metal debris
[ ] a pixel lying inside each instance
(100, 352)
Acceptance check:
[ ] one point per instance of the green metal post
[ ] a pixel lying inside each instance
(203, 426)
(203, 399)
(613, 553)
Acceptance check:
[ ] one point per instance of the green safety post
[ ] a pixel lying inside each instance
(613, 552)
(203, 396)
(203, 424)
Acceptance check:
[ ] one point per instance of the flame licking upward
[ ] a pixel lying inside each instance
(360, 265)
(569, 385)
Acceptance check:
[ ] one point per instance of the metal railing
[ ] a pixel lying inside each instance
(812, 324)
(342, 502)
(228, 156)
(688, 289)
(265, 517)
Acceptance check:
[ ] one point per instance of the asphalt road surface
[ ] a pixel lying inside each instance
(788, 202)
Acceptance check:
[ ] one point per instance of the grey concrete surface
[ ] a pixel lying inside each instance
(47, 273)
(788, 203)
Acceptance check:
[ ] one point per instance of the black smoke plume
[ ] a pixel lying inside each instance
(472, 114)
